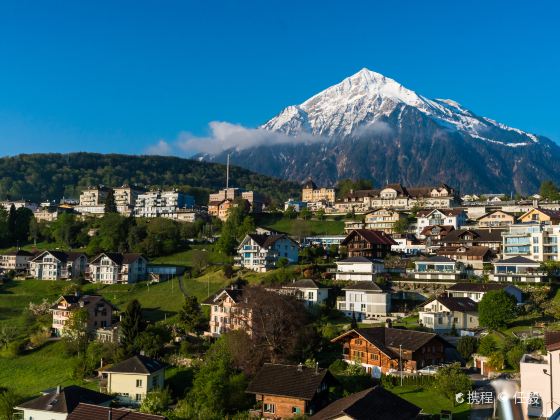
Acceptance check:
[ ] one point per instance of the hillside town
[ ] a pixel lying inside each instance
(342, 302)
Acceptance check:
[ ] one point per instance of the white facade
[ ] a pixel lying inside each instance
(262, 252)
(441, 316)
(439, 268)
(455, 218)
(112, 268)
(365, 301)
(19, 204)
(161, 203)
(57, 265)
(518, 269)
(309, 292)
(358, 269)
(532, 240)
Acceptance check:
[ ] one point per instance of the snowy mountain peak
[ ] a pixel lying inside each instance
(367, 96)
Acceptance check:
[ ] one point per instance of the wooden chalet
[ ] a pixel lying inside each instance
(368, 243)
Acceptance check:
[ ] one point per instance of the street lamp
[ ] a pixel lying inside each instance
(400, 362)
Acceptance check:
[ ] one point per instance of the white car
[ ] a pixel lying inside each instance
(428, 370)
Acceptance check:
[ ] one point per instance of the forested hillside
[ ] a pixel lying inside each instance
(52, 176)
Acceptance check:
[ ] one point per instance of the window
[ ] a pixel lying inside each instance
(138, 397)
(296, 410)
(138, 383)
(269, 408)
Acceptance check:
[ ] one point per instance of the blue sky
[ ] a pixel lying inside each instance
(119, 76)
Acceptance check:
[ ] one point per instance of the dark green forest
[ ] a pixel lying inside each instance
(52, 176)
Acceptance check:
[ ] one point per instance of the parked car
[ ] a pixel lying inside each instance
(428, 370)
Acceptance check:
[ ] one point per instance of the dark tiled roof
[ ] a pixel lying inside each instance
(266, 241)
(517, 260)
(74, 300)
(446, 212)
(233, 293)
(359, 260)
(287, 381)
(19, 253)
(62, 256)
(479, 235)
(552, 340)
(364, 285)
(437, 259)
(553, 214)
(370, 404)
(374, 237)
(66, 400)
(443, 230)
(304, 283)
(387, 339)
(309, 184)
(136, 364)
(118, 258)
(96, 412)
(470, 251)
(458, 304)
(476, 287)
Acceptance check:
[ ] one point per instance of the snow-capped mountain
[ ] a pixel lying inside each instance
(370, 126)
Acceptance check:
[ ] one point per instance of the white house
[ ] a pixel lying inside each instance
(442, 313)
(162, 203)
(518, 269)
(17, 260)
(450, 217)
(59, 403)
(114, 267)
(262, 252)
(358, 269)
(476, 291)
(308, 291)
(540, 379)
(364, 300)
(439, 268)
(58, 265)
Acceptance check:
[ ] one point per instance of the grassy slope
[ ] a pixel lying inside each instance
(431, 401)
(296, 227)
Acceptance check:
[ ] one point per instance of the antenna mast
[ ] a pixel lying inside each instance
(227, 172)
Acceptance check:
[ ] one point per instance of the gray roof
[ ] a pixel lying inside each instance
(304, 284)
(437, 259)
(136, 364)
(66, 399)
(364, 285)
(359, 260)
(517, 260)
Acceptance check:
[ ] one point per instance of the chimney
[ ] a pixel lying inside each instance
(300, 367)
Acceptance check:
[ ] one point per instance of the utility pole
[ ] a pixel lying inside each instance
(400, 362)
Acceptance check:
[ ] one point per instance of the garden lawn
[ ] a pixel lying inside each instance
(33, 372)
(184, 258)
(297, 226)
(430, 400)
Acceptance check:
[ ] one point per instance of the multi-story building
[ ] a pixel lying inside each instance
(255, 200)
(443, 313)
(92, 201)
(397, 196)
(518, 270)
(48, 212)
(496, 218)
(439, 268)
(100, 312)
(226, 313)
(473, 257)
(18, 204)
(384, 350)
(306, 290)
(132, 379)
(540, 379)
(220, 208)
(365, 301)
(447, 217)
(489, 238)
(17, 260)
(259, 252)
(384, 219)
(358, 269)
(125, 198)
(58, 265)
(535, 240)
(114, 267)
(162, 203)
(368, 243)
(310, 193)
(476, 291)
(541, 215)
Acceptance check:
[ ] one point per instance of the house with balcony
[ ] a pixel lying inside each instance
(226, 312)
(489, 238)
(476, 291)
(308, 291)
(367, 243)
(449, 217)
(384, 219)
(439, 268)
(17, 261)
(533, 240)
(495, 219)
(540, 378)
(115, 267)
(358, 269)
(518, 269)
(261, 252)
(58, 265)
(540, 215)
(132, 379)
(364, 301)
(381, 350)
(443, 313)
(473, 257)
(286, 391)
(99, 312)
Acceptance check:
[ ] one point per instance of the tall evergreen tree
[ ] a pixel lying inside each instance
(132, 324)
(12, 221)
(110, 205)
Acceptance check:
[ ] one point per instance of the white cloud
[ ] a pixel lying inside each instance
(161, 148)
(224, 136)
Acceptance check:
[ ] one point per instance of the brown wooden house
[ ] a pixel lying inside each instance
(368, 243)
(379, 349)
(285, 391)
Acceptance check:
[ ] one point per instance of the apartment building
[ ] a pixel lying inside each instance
(384, 219)
(17, 260)
(125, 198)
(58, 265)
(115, 267)
(226, 313)
(364, 300)
(92, 201)
(533, 240)
(310, 193)
(161, 203)
(100, 312)
(261, 252)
